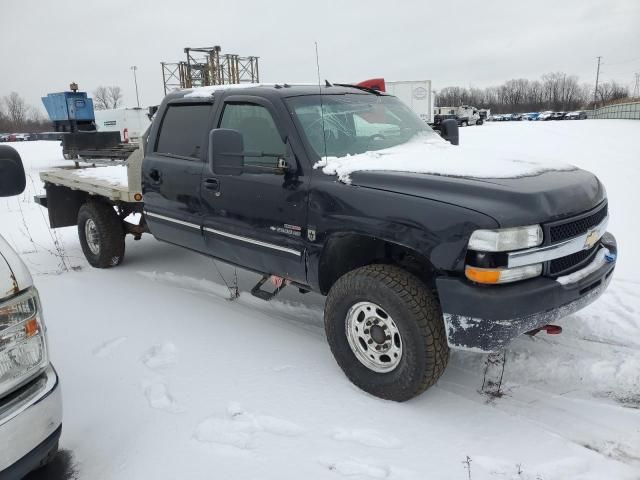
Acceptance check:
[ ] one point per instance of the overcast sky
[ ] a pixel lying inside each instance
(44, 45)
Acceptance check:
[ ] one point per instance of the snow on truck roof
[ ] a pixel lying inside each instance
(283, 89)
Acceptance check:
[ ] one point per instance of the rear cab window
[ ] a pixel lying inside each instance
(183, 131)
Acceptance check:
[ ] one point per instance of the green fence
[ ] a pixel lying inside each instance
(629, 111)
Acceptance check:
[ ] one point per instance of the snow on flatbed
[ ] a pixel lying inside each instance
(165, 378)
(115, 175)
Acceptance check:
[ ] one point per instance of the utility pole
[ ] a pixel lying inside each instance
(595, 92)
(636, 88)
(135, 79)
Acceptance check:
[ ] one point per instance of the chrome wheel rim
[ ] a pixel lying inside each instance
(373, 337)
(91, 236)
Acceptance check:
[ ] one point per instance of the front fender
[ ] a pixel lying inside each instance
(438, 231)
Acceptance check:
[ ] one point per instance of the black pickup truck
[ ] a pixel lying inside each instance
(412, 264)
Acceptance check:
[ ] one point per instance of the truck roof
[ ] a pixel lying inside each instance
(266, 90)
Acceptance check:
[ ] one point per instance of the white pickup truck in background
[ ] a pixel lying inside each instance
(30, 398)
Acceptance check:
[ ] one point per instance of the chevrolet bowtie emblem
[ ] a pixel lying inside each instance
(592, 238)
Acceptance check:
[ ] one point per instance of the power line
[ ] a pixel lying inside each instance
(623, 61)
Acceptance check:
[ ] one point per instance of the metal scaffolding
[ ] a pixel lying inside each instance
(207, 66)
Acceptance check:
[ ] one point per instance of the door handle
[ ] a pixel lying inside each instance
(155, 175)
(212, 184)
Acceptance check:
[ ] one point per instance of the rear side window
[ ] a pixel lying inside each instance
(184, 130)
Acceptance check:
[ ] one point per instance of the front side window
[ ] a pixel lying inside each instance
(259, 133)
(340, 125)
(184, 130)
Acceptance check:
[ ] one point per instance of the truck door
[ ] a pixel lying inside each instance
(172, 172)
(257, 219)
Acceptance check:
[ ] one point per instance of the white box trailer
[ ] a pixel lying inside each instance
(415, 94)
(130, 122)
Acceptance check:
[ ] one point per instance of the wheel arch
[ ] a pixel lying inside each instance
(346, 251)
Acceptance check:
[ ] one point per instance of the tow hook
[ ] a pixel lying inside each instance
(550, 329)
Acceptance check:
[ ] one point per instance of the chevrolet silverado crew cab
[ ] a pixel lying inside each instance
(30, 401)
(419, 245)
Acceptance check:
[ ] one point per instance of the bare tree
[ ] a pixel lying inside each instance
(17, 110)
(115, 94)
(609, 91)
(101, 98)
(106, 98)
(555, 91)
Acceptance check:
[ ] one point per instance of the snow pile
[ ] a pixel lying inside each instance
(113, 174)
(430, 154)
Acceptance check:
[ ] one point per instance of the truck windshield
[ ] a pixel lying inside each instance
(355, 123)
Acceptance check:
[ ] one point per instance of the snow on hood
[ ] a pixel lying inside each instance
(431, 154)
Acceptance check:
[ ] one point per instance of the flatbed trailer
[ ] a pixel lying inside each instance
(108, 191)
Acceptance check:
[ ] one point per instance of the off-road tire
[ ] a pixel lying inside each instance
(110, 234)
(416, 312)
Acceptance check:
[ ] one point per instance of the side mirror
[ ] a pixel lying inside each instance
(449, 131)
(12, 177)
(226, 151)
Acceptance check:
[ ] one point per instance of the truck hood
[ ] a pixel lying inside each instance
(525, 200)
(14, 274)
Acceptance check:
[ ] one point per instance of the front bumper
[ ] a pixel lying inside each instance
(30, 424)
(487, 318)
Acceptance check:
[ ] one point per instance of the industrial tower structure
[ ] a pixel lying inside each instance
(207, 66)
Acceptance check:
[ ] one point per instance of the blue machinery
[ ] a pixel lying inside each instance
(72, 114)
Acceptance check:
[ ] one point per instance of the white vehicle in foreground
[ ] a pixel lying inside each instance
(130, 122)
(30, 399)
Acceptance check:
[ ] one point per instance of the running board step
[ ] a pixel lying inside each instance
(257, 291)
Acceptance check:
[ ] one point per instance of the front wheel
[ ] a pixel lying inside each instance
(385, 330)
(101, 235)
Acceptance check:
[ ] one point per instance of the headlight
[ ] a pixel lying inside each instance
(506, 239)
(502, 275)
(23, 349)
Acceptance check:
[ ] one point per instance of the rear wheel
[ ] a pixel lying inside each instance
(385, 329)
(101, 235)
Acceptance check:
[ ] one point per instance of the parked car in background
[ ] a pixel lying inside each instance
(49, 136)
(533, 116)
(545, 115)
(30, 400)
(557, 116)
(507, 117)
(516, 116)
(4, 137)
(577, 115)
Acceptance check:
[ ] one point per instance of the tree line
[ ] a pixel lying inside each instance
(16, 116)
(554, 91)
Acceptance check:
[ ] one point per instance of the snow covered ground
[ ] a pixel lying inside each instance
(164, 378)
